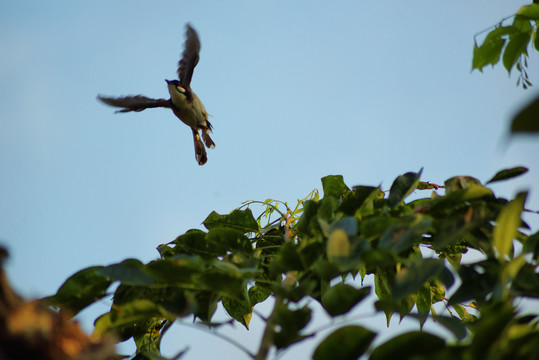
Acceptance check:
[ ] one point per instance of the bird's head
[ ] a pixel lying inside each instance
(175, 86)
(177, 92)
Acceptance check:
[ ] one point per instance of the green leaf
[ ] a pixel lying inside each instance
(240, 310)
(508, 173)
(222, 240)
(402, 187)
(408, 346)
(489, 52)
(80, 290)
(241, 220)
(527, 120)
(457, 183)
(507, 224)
(464, 315)
(126, 315)
(454, 325)
(359, 197)
(348, 342)
(258, 294)
(404, 234)
(423, 303)
(129, 272)
(382, 289)
(290, 323)
(333, 185)
(341, 298)
(179, 270)
(414, 276)
(530, 11)
(516, 48)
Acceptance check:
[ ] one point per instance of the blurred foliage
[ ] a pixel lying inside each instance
(30, 330)
(308, 256)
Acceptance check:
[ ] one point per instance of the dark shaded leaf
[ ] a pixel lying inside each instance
(402, 187)
(125, 320)
(527, 120)
(508, 173)
(241, 220)
(348, 342)
(423, 303)
(80, 290)
(406, 346)
(290, 324)
(382, 286)
(341, 298)
(240, 310)
(404, 234)
(130, 272)
(223, 240)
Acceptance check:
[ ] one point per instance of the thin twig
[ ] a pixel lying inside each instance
(219, 335)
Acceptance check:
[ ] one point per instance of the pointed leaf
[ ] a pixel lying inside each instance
(516, 47)
(507, 224)
(348, 342)
(382, 289)
(423, 303)
(402, 187)
(80, 290)
(508, 174)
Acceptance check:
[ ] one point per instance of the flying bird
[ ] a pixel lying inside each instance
(183, 101)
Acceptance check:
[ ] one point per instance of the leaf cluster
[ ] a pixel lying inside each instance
(510, 43)
(311, 254)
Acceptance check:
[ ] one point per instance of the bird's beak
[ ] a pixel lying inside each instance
(168, 81)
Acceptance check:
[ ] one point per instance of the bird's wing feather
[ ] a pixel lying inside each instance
(134, 103)
(190, 56)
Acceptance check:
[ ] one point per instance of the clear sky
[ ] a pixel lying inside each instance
(297, 90)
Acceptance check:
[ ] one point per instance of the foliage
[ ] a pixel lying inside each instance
(510, 43)
(412, 248)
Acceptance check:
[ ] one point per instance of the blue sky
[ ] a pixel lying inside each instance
(297, 90)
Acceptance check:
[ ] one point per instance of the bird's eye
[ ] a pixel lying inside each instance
(180, 88)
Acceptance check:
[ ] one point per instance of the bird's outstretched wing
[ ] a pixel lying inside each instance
(189, 57)
(134, 103)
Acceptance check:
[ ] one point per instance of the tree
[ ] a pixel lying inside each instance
(315, 250)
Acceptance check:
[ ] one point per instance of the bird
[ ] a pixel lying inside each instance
(183, 101)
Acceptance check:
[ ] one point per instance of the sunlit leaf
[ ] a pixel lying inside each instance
(334, 186)
(516, 47)
(507, 224)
